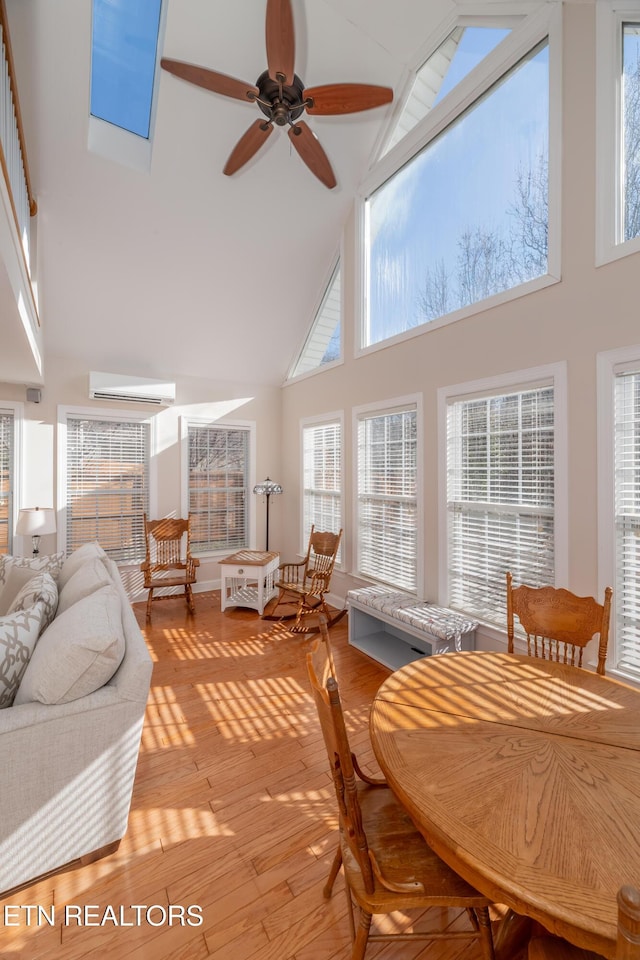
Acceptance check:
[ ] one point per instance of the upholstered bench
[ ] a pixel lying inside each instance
(394, 628)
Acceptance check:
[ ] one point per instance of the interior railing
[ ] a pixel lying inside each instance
(13, 155)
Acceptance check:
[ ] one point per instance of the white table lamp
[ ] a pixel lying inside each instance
(36, 522)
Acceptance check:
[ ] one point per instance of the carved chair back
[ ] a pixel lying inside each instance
(320, 559)
(168, 545)
(558, 624)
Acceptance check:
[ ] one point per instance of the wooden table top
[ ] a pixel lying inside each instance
(251, 558)
(524, 776)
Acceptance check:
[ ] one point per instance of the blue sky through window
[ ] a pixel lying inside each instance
(123, 60)
(631, 129)
(475, 44)
(458, 55)
(464, 184)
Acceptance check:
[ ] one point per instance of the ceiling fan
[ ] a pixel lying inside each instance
(282, 97)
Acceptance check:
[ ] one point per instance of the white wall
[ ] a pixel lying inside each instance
(590, 310)
(67, 383)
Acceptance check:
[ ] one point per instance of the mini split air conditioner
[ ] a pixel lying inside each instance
(116, 386)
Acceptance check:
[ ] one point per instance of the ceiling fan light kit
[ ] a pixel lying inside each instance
(281, 96)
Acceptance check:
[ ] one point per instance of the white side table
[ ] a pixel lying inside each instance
(247, 579)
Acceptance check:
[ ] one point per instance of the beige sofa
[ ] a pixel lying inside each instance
(69, 740)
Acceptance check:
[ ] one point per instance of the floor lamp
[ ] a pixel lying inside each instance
(267, 488)
(36, 522)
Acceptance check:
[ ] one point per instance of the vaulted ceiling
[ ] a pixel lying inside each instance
(183, 271)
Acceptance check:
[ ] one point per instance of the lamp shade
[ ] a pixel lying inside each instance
(268, 487)
(36, 521)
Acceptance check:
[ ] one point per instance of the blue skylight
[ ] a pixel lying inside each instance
(123, 61)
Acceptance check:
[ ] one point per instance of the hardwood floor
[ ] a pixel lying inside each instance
(233, 814)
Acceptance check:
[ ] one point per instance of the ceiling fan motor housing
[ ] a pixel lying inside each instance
(281, 103)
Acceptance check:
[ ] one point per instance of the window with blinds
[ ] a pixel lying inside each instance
(218, 481)
(500, 497)
(387, 497)
(6, 481)
(108, 485)
(627, 521)
(322, 478)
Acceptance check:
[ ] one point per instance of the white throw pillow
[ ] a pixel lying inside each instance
(78, 653)
(18, 637)
(75, 560)
(86, 580)
(42, 588)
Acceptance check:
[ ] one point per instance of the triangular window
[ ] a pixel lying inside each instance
(454, 59)
(324, 343)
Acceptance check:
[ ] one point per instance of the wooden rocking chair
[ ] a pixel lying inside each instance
(168, 561)
(306, 583)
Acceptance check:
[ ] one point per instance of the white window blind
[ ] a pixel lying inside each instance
(108, 485)
(6, 481)
(500, 497)
(322, 478)
(627, 521)
(218, 487)
(387, 497)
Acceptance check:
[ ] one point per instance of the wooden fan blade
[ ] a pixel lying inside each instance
(210, 80)
(248, 144)
(281, 43)
(334, 98)
(308, 146)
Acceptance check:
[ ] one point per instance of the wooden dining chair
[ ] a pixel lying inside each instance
(168, 561)
(306, 582)
(548, 947)
(558, 624)
(387, 864)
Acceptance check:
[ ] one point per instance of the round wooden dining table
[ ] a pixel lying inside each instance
(524, 776)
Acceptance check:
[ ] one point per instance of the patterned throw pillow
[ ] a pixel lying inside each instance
(42, 587)
(18, 637)
(47, 563)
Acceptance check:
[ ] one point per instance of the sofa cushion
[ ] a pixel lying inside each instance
(41, 587)
(19, 633)
(86, 580)
(77, 559)
(15, 579)
(15, 571)
(78, 653)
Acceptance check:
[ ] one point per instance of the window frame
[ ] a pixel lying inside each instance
(541, 22)
(16, 410)
(509, 20)
(115, 416)
(306, 423)
(120, 145)
(610, 18)
(609, 364)
(250, 427)
(554, 374)
(380, 409)
(337, 264)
